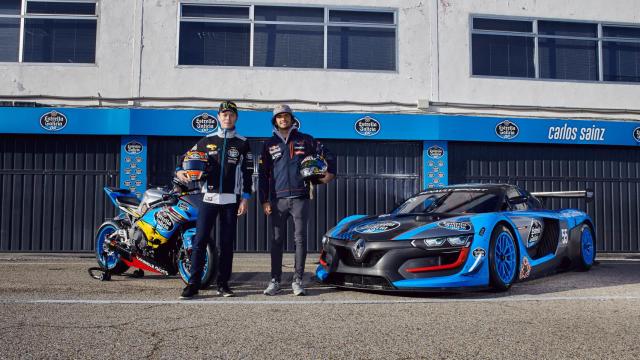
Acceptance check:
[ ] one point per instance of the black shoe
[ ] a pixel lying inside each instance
(189, 291)
(225, 291)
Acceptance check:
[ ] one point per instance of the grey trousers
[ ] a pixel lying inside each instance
(298, 209)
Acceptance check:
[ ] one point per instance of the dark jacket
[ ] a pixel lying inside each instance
(233, 152)
(279, 167)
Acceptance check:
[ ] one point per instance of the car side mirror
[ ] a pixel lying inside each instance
(518, 200)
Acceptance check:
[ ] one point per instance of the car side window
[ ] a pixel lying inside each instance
(532, 202)
(512, 193)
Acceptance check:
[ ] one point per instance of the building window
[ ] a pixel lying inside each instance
(287, 37)
(562, 50)
(48, 31)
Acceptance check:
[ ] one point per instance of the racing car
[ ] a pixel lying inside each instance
(470, 236)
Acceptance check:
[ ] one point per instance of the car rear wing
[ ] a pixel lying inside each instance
(586, 194)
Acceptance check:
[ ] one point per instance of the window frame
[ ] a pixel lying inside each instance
(23, 16)
(325, 24)
(599, 39)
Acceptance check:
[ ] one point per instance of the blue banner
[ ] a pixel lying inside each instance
(133, 164)
(435, 157)
(326, 125)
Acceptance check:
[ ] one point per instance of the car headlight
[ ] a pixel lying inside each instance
(455, 241)
(325, 242)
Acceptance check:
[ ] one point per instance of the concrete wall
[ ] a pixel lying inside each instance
(456, 84)
(113, 75)
(434, 65)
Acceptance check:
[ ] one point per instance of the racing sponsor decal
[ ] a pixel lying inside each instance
(176, 216)
(566, 132)
(367, 126)
(565, 236)
(183, 206)
(636, 134)
(435, 152)
(535, 232)
(275, 152)
(507, 130)
(359, 248)
(133, 148)
(479, 252)
(53, 121)
(377, 227)
(212, 147)
(163, 221)
(233, 152)
(525, 268)
(455, 225)
(204, 123)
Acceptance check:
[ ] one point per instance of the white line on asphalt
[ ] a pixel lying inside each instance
(320, 302)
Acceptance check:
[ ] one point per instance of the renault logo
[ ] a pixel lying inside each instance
(358, 251)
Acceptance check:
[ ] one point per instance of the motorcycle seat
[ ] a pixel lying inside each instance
(131, 201)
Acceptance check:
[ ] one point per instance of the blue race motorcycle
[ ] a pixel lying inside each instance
(154, 234)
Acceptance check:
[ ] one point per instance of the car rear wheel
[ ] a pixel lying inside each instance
(503, 258)
(587, 248)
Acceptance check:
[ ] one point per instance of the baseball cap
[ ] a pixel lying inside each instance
(228, 105)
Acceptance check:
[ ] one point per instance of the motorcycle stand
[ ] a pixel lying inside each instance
(105, 273)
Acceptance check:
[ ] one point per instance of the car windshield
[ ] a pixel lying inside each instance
(453, 201)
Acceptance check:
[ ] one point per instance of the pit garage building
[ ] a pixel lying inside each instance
(408, 95)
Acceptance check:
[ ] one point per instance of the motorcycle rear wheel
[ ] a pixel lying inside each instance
(112, 262)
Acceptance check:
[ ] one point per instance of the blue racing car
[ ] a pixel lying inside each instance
(458, 237)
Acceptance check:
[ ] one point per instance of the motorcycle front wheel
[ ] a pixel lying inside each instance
(210, 266)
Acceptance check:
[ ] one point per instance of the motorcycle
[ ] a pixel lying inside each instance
(154, 234)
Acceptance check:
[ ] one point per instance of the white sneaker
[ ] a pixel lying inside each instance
(298, 289)
(273, 288)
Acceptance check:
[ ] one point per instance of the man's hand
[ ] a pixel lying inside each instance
(182, 176)
(326, 178)
(244, 206)
(267, 208)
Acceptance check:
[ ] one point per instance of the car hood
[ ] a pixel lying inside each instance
(401, 227)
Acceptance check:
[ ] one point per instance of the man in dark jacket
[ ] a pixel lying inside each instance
(284, 193)
(226, 192)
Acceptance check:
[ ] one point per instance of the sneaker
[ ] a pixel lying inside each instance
(225, 291)
(189, 292)
(273, 288)
(298, 289)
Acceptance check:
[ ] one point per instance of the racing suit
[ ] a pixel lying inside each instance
(281, 184)
(228, 179)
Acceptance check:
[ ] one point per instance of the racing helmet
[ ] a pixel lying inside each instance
(195, 163)
(312, 168)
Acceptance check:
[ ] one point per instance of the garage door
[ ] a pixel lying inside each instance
(613, 172)
(371, 178)
(52, 198)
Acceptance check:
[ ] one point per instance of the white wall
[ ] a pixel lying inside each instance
(457, 86)
(113, 75)
(434, 64)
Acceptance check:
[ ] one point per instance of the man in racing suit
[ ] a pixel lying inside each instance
(226, 193)
(284, 193)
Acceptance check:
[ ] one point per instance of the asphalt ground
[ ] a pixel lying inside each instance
(51, 308)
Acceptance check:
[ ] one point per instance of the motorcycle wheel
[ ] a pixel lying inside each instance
(210, 266)
(112, 261)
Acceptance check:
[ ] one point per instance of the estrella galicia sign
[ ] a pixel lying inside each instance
(367, 126)
(507, 130)
(636, 134)
(296, 123)
(204, 123)
(377, 227)
(133, 147)
(53, 121)
(435, 152)
(163, 221)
